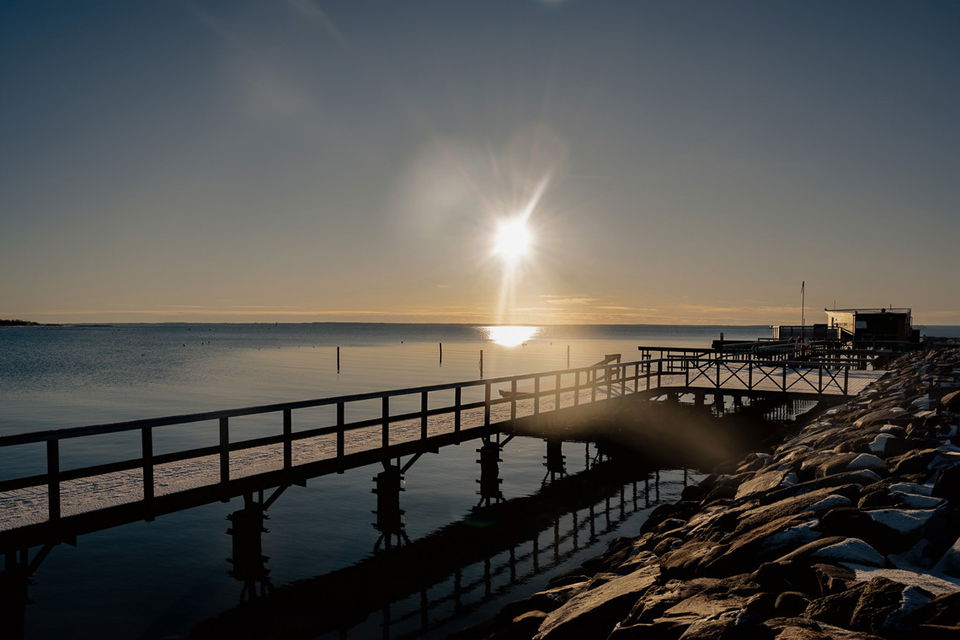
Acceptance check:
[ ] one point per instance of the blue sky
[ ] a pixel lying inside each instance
(349, 160)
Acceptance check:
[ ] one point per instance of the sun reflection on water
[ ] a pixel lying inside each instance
(510, 335)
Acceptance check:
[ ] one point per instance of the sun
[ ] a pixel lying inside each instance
(512, 240)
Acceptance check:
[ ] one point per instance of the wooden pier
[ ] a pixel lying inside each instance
(473, 409)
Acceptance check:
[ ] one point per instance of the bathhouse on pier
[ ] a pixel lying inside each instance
(857, 326)
(873, 325)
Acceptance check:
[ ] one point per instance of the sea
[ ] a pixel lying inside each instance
(159, 579)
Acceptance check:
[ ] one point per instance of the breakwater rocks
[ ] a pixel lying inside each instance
(847, 530)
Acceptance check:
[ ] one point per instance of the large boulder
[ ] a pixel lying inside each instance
(686, 560)
(807, 629)
(885, 605)
(837, 549)
(662, 597)
(836, 608)
(951, 401)
(766, 542)
(942, 610)
(890, 414)
(947, 485)
(761, 483)
(816, 501)
(860, 478)
(874, 527)
(867, 461)
(596, 611)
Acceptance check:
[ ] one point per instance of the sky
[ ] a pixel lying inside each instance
(349, 160)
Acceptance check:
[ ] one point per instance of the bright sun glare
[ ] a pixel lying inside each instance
(510, 336)
(512, 240)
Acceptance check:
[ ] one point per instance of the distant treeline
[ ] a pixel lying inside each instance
(18, 323)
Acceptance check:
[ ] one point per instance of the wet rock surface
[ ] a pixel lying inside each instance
(849, 529)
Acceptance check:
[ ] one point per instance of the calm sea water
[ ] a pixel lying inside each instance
(157, 579)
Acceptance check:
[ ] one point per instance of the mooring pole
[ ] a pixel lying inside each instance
(568, 356)
(338, 359)
(481, 363)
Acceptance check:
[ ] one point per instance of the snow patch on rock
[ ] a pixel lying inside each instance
(917, 501)
(906, 521)
(931, 582)
(851, 550)
(831, 501)
(912, 487)
(867, 461)
(879, 444)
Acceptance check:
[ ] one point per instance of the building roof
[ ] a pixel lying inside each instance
(873, 310)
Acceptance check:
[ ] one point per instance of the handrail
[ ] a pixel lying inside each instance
(186, 418)
(614, 378)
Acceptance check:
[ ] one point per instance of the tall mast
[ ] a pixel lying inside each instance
(803, 284)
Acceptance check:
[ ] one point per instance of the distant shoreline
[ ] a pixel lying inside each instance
(26, 323)
(343, 323)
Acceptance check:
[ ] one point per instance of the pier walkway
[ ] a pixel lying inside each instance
(329, 435)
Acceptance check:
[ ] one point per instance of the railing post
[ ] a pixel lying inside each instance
(636, 377)
(53, 479)
(557, 407)
(846, 380)
(423, 415)
(287, 441)
(593, 385)
(341, 436)
(513, 399)
(385, 425)
(457, 398)
(536, 394)
(146, 452)
(784, 377)
(224, 450)
(820, 379)
(659, 373)
(486, 404)
(750, 376)
(717, 360)
(576, 388)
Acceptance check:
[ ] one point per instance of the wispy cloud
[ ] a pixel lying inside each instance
(567, 300)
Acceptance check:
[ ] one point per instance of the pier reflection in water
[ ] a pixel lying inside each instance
(430, 580)
(440, 582)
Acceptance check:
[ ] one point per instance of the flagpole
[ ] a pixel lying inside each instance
(803, 284)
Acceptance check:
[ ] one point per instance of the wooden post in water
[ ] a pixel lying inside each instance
(481, 363)
(568, 356)
(338, 359)
(441, 353)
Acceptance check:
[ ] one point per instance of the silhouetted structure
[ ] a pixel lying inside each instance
(249, 563)
(862, 326)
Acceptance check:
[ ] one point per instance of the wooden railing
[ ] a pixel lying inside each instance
(812, 353)
(587, 384)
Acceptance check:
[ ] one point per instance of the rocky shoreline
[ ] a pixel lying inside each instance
(847, 530)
